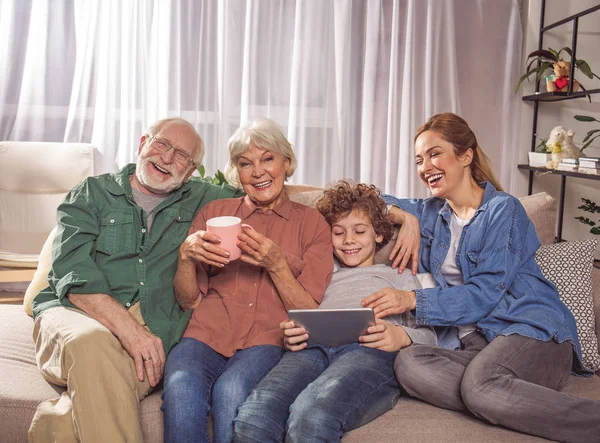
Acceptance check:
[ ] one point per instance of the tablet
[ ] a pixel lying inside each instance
(333, 327)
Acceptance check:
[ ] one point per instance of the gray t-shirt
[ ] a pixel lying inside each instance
(349, 286)
(147, 203)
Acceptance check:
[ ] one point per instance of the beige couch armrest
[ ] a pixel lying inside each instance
(40, 278)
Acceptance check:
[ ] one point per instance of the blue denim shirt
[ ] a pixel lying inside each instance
(504, 291)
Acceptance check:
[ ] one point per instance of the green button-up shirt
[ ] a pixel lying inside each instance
(103, 246)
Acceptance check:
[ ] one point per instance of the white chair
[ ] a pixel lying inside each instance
(34, 179)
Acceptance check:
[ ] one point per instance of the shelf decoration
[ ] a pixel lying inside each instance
(560, 144)
(593, 208)
(541, 156)
(558, 81)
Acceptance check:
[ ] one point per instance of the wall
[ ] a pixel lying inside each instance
(561, 113)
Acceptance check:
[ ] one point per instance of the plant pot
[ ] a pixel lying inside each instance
(539, 159)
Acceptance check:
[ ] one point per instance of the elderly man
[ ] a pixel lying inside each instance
(109, 317)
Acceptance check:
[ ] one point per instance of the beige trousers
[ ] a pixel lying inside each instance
(101, 403)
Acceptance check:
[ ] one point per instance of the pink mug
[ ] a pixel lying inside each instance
(227, 228)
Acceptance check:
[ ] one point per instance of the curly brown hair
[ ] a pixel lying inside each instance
(344, 197)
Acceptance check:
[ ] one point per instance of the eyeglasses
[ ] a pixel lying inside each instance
(162, 145)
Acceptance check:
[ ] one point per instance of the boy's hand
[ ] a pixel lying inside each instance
(386, 337)
(390, 301)
(294, 338)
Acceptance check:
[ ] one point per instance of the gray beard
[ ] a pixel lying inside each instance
(142, 176)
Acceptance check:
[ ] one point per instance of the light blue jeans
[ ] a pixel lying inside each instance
(321, 393)
(198, 380)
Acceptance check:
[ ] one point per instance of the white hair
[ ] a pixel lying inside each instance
(261, 133)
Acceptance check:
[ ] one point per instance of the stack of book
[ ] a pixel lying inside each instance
(589, 165)
(568, 164)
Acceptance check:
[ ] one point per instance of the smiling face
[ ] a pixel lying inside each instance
(159, 174)
(354, 239)
(262, 176)
(445, 174)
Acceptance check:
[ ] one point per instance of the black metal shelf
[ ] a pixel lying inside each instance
(570, 18)
(559, 172)
(558, 96)
(553, 97)
(563, 185)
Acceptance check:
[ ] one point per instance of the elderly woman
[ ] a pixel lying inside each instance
(233, 337)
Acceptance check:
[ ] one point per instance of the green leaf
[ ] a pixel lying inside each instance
(584, 68)
(567, 50)
(538, 69)
(589, 206)
(585, 118)
(220, 177)
(589, 142)
(589, 134)
(201, 170)
(554, 52)
(596, 230)
(543, 54)
(585, 221)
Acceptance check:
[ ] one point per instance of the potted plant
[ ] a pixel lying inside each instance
(551, 59)
(590, 206)
(591, 134)
(541, 155)
(218, 179)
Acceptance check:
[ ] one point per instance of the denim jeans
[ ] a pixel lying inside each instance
(513, 381)
(321, 393)
(199, 380)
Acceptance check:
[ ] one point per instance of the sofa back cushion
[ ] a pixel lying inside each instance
(541, 208)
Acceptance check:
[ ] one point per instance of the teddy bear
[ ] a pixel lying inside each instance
(560, 145)
(560, 80)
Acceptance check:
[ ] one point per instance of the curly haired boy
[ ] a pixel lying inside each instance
(317, 393)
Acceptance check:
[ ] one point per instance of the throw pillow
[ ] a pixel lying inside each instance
(569, 266)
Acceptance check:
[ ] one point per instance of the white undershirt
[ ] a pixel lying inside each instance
(450, 271)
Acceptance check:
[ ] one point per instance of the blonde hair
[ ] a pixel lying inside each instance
(456, 131)
(261, 133)
(199, 148)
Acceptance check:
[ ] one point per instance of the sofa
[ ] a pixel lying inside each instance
(22, 386)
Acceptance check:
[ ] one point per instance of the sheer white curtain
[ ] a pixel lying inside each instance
(349, 81)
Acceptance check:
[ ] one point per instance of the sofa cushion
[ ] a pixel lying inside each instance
(23, 387)
(541, 209)
(416, 421)
(569, 266)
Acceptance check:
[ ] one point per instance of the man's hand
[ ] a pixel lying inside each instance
(386, 337)
(294, 338)
(390, 301)
(201, 246)
(146, 349)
